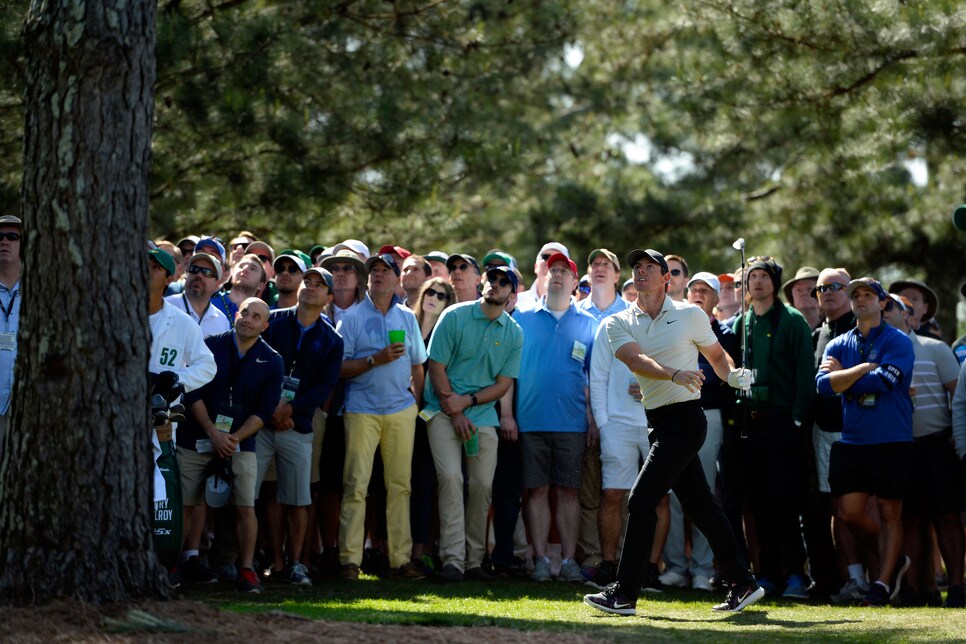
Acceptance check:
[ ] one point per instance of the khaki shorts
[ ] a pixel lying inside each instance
(291, 452)
(192, 465)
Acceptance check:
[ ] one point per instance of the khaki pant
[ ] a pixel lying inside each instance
(588, 540)
(393, 434)
(462, 531)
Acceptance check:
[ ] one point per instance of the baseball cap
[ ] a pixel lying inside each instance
(553, 247)
(355, 246)
(11, 220)
(386, 259)
(898, 300)
(211, 242)
(628, 282)
(255, 246)
(399, 250)
(436, 256)
(496, 254)
(635, 256)
(726, 277)
(452, 259)
(208, 258)
(506, 271)
(218, 483)
(560, 257)
(164, 259)
(321, 272)
(707, 278)
(293, 256)
(594, 254)
(868, 282)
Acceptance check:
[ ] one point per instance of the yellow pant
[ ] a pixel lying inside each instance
(393, 435)
(462, 533)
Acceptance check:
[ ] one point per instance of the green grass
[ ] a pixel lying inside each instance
(553, 607)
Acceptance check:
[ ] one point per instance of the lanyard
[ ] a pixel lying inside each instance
(228, 303)
(9, 309)
(189, 310)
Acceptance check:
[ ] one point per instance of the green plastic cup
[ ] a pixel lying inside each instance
(472, 446)
(397, 335)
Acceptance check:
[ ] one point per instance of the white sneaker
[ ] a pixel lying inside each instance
(673, 579)
(700, 582)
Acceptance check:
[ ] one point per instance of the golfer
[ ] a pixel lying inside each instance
(659, 340)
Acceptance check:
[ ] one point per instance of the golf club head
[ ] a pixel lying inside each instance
(739, 244)
(177, 409)
(176, 418)
(160, 418)
(158, 403)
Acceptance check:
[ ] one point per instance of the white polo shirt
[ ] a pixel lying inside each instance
(672, 339)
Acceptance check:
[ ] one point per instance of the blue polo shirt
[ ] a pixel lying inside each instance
(554, 367)
(311, 354)
(384, 389)
(877, 408)
(222, 302)
(253, 382)
(618, 305)
(474, 351)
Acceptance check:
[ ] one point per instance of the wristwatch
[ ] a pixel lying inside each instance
(473, 398)
(370, 361)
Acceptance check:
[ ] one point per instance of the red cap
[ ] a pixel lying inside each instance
(726, 277)
(560, 257)
(398, 250)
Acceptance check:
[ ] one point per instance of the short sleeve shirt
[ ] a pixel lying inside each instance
(672, 339)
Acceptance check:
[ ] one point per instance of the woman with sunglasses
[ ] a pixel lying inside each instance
(435, 296)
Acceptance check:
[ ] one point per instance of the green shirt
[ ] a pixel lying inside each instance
(782, 357)
(474, 351)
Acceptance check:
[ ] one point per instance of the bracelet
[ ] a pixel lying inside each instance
(674, 374)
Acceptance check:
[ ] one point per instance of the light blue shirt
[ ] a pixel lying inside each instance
(618, 305)
(551, 394)
(9, 323)
(384, 389)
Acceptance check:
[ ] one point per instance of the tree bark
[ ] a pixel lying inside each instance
(75, 485)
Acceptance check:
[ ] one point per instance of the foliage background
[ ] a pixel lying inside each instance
(467, 125)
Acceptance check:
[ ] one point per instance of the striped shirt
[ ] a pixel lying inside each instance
(935, 366)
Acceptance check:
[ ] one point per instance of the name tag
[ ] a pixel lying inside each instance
(426, 414)
(203, 446)
(223, 423)
(8, 341)
(289, 387)
(579, 352)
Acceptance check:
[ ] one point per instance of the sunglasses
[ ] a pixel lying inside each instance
(502, 281)
(264, 258)
(441, 296)
(341, 268)
(546, 257)
(194, 269)
(291, 269)
(461, 267)
(834, 287)
(10, 236)
(760, 258)
(676, 272)
(242, 246)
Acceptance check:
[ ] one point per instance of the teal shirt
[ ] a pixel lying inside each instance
(474, 351)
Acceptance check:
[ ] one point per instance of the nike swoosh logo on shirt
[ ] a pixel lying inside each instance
(671, 321)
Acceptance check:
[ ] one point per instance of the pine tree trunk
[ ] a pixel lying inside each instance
(75, 484)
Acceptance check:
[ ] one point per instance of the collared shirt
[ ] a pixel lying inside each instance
(225, 305)
(253, 383)
(383, 389)
(551, 390)
(935, 366)
(312, 354)
(672, 339)
(587, 304)
(10, 302)
(877, 407)
(212, 322)
(474, 351)
(609, 380)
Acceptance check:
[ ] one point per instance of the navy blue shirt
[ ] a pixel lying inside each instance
(312, 354)
(715, 393)
(253, 383)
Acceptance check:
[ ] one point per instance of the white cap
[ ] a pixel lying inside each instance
(355, 246)
(707, 278)
(553, 247)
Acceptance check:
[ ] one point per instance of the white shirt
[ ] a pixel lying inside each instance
(213, 322)
(672, 339)
(609, 380)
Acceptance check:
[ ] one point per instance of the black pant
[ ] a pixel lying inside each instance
(774, 459)
(507, 489)
(678, 433)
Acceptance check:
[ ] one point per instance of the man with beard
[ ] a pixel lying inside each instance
(201, 282)
(248, 278)
(474, 356)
